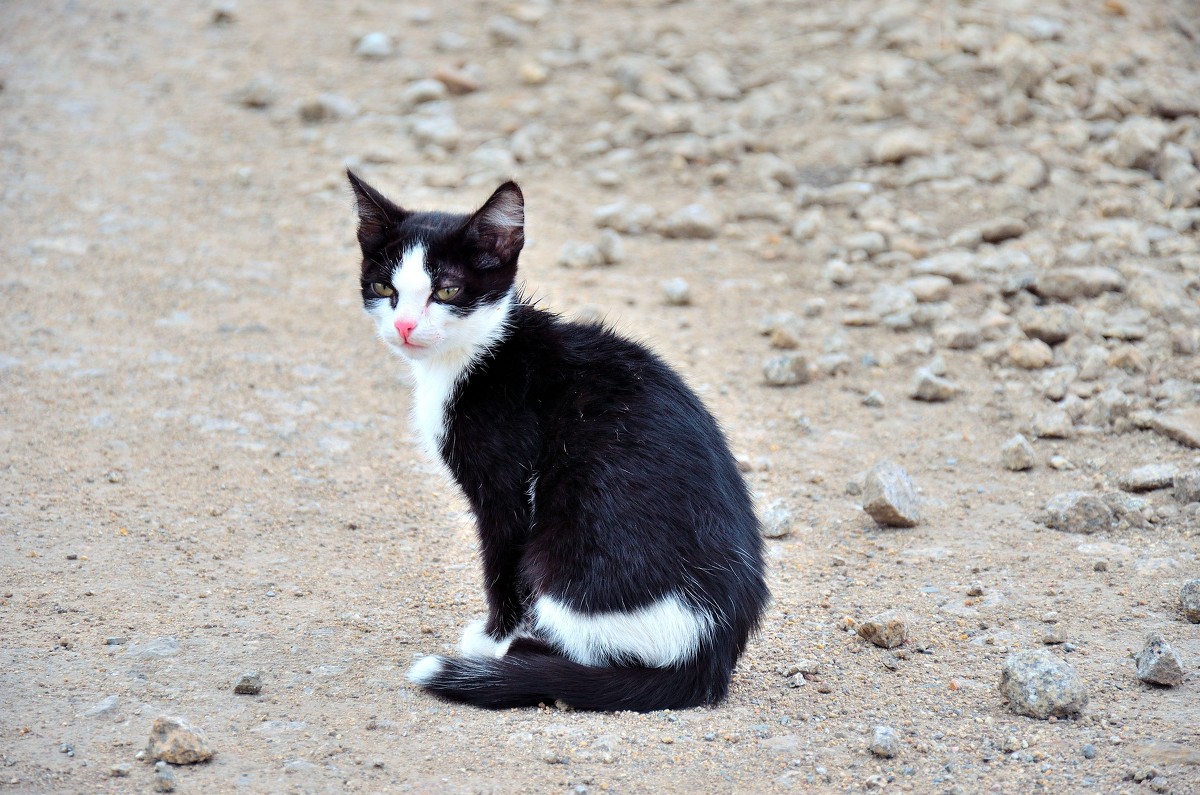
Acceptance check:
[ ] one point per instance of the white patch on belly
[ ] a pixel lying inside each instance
(659, 635)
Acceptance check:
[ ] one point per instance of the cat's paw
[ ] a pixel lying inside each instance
(477, 643)
(425, 670)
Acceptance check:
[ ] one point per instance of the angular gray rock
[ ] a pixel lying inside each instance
(676, 292)
(176, 741)
(1187, 487)
(579, 256)
(1181, 426)
(374, 45)
(1087, 281)
(1158, 663)
(889, 496)
(1017, 454)
(694, 221)
(1078, 512)
(787, 369)
(1189, 600)
(248, 684)
(900, 144)
(1030, 354)
(1039, 685)
(1149, 477)
(887, 630)
(775, 520)
(932, 388)
(884, 742)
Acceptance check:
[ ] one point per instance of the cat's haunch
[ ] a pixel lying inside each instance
(622, 560)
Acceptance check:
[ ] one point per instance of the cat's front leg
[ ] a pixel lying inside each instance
(476, 642)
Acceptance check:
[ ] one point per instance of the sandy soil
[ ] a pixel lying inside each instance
(206, 466)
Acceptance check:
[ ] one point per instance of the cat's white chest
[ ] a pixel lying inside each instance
(431, 393)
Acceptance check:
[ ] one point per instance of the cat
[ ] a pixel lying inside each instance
(622, 558)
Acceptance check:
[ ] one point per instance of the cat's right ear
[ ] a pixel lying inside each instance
(376, 214)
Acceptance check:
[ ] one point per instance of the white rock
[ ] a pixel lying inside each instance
(677, 292)
(374, 45)
(899, 144)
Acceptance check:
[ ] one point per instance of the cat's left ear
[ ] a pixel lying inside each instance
(376, 213)
(499, 225)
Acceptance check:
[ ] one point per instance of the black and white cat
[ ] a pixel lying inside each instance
(621, 554)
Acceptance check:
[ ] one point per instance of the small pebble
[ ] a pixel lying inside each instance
(1017, 454)
(374, 45)
(676, 291)
(787, 369)
(1189, 599)
(889, 496)
(885, 742)
(886, 630)
(1158, 663)
(248, 684)
(1089, 751)
(1040, 685)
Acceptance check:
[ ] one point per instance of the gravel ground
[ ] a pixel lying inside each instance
(867, 232)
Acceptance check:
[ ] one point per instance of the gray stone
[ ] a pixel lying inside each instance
(261, 92)
(958, 336)
(437, 129)
(1158, 663)
(885, 742)
(1020, 63)
(1149, 477)
(1053, 424)
(1189, 600)
(1078, 512)
(327, 107)
(929, 288)
(711, 78)
(887, 630)
(374, 45)
(1003, 228)
(579, 256)
(164, 778)
(676, 291)
(1040, 685)
(1187, 486)
(1135, 143)
(105, 706)
(611, 247)
(419, 92)
(626, 218)
(1050, 324)
(959, 267)
(897, 145)
(1182, 426)
(694, 221)
(248, 684)
(889, 496)
(775, 520)
(506, 31)
(932, 388)
(120, 770)
(1086, 281)
(787, 369)
(159, 647)
(176, 741)
(1030, 354)
(1017, 454)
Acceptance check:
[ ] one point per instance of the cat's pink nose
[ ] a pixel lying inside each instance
(404, 327)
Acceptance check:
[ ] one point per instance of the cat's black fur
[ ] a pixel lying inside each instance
(596, 477)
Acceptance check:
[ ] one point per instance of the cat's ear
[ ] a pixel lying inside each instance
(375, 212)
(499, 226)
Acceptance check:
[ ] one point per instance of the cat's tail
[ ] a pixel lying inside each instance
(531, 674)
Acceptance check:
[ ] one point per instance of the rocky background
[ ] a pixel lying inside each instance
(934, 266)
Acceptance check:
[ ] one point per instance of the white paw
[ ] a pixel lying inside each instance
(477, 643)
(425, 669)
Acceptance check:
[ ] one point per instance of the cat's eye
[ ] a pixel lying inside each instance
(382, 290)
(446, 293)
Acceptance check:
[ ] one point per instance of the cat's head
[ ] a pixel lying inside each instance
(439, 285)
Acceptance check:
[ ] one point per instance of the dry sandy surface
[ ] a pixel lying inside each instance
(206, 466)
